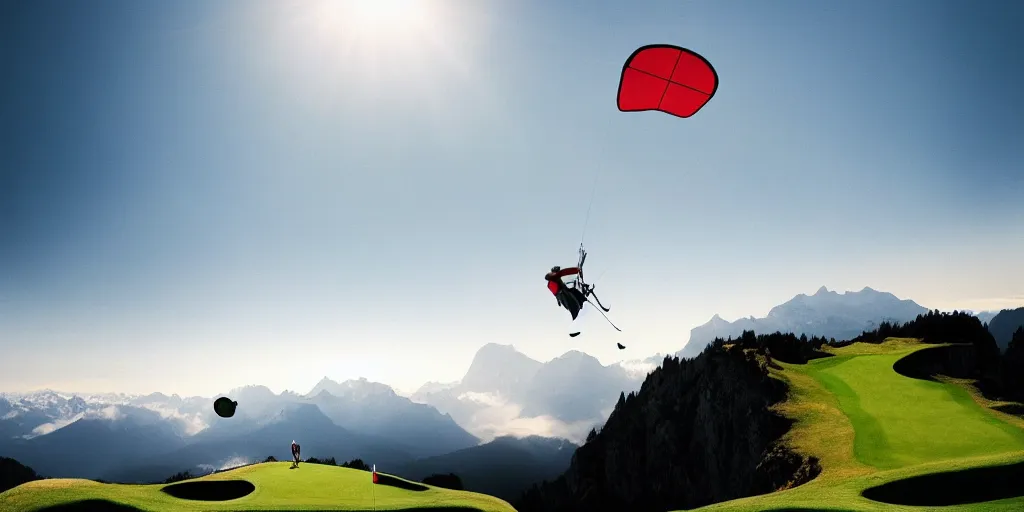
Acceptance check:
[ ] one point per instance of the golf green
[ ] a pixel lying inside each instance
(268, 486)
(887, 441)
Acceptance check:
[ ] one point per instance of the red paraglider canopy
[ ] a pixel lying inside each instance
(666, 78)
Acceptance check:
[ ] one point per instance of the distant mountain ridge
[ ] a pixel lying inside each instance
(826, 313)
(571, 393)
(504, 467)
(1003, 325)
(271, 435)
(90, 446)
(368, 419)
(371, 407)
(499, 369)
(986, 316)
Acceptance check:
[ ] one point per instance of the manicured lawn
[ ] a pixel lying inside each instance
(310, 487)
(870, 425)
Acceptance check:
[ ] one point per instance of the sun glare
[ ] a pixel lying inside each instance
(378, 18)
(385, 11)
(396, 56)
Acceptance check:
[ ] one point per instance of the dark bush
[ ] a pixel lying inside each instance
(177, 477)
(356, 464)
(13, 474)
(327, 462)
(449, 481)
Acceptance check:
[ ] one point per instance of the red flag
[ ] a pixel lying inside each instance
(374, 473)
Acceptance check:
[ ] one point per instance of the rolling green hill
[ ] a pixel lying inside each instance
(908, 444)
(268, 486)
(884, 440)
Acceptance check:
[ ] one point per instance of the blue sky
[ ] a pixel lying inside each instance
(200, 195)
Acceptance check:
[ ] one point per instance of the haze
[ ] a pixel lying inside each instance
(196, 196)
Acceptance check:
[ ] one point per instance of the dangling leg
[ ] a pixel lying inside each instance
(598, 300)
(588, 291)
(571, 302)
(575, 303)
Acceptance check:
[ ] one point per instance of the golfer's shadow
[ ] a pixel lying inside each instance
(392, 481)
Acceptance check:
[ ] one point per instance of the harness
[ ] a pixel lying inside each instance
(579, 284)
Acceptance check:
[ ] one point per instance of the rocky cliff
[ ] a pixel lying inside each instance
(699, 431)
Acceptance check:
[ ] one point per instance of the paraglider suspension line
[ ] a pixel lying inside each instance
(606, 317)
(586, 219)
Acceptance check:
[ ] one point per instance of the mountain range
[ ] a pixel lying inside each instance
(363, 419)
(826, 314)
(362, 406)
(505, 392)
(986, 316)
(1003, 325)
(507, 396)
(509, 422)
(136, 439)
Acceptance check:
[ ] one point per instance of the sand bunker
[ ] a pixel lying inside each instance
(976, 485)
(210, 490)
(91, 506)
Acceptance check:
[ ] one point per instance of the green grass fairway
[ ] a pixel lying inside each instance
(310, 487)
(870, 425)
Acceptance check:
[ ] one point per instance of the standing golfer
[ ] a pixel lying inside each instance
(295, 453)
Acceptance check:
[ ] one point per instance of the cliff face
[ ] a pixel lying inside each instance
(699, 431)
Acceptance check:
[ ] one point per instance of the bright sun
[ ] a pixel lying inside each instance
(385, 11)
(364, 50)
(376, 18)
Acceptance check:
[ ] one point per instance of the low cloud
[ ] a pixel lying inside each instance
(638, 369)
(188, 424)
(234, 462)
(47, 428)
(110, 412)
(500, 417)
(229, 463)
(485, 399)
(547, 426)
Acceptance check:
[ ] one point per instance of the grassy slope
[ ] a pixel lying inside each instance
(870, 425)
(311, 487)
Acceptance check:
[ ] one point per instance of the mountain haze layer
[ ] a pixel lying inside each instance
(141, 438)
(504, 392)
(504, 467)
(374, 408)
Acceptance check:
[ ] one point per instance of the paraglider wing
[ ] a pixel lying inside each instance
(666, 78)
